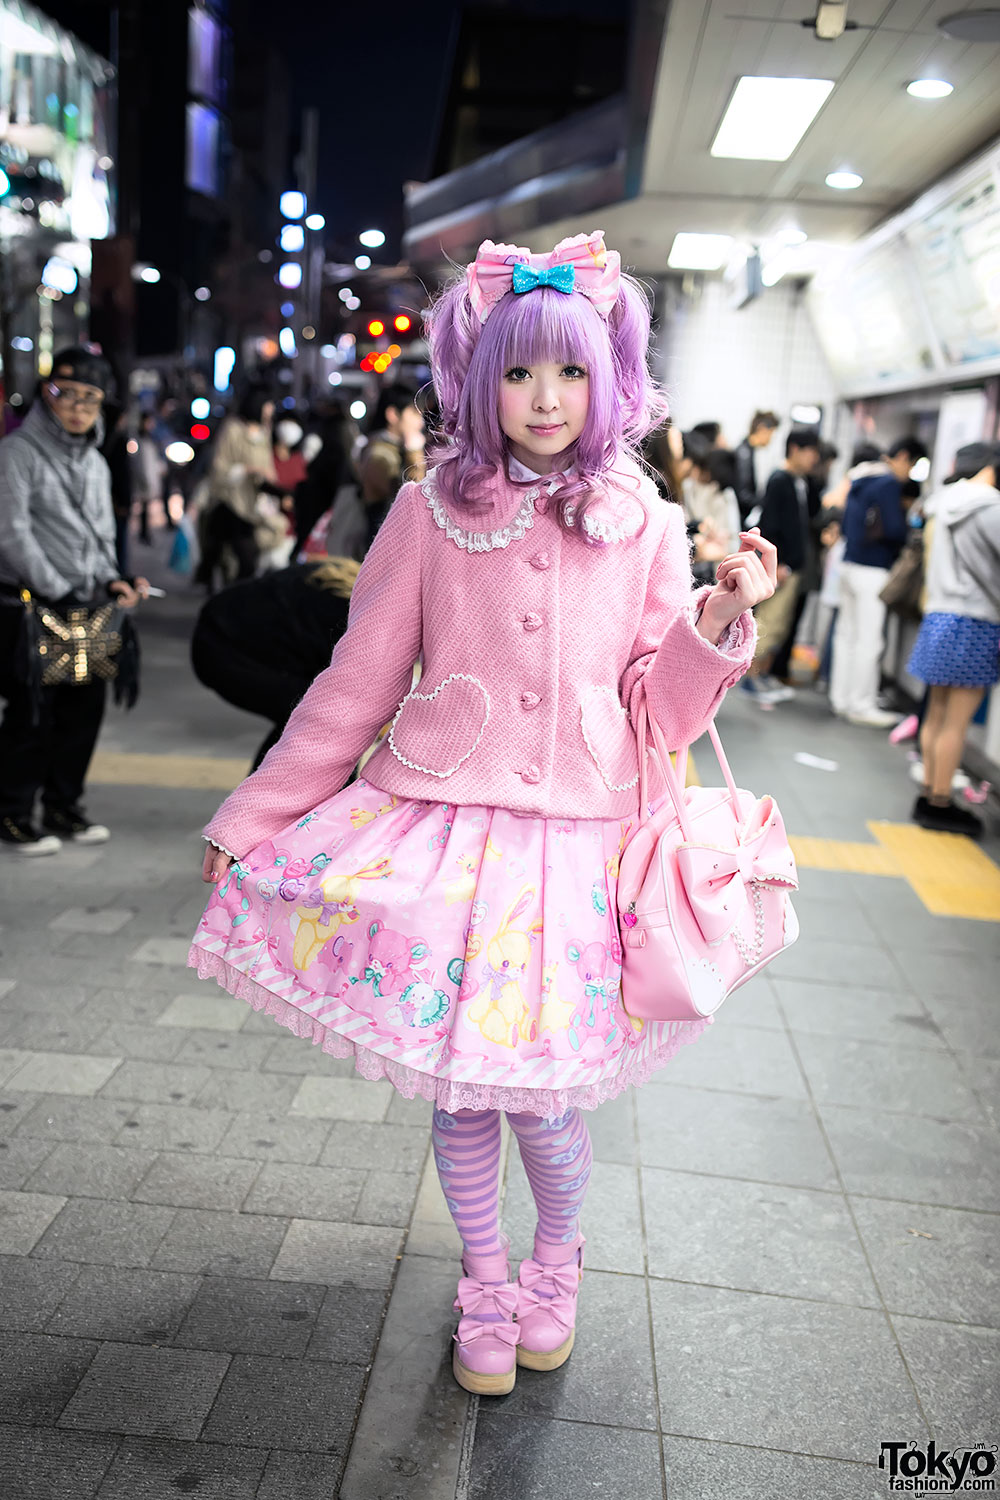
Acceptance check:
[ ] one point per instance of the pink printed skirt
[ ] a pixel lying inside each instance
(468, 954)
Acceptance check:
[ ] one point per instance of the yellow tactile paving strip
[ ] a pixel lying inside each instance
(195, 772)
(950, 874)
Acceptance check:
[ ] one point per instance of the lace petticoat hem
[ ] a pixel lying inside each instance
(445, 1093)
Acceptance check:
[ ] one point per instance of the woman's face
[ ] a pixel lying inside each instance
(543, 410)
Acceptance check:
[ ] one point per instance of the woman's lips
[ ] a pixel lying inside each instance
(548, 429)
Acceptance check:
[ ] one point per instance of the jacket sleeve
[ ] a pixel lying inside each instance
(346, 706)
(24, 561)
(890, 498)
(106, 569)
(683, 675)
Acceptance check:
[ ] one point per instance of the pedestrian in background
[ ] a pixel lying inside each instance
(241, 470)
(712, 510)
(393, 454)
(57, 539)
(956, 650)
(148, 471)
(785, 520)
(763, 426)
(874, 528)
(468, 949)
(331, 467)
(811, 580)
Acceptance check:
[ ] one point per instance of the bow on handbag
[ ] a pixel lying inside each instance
(581, 264)
(717, 881)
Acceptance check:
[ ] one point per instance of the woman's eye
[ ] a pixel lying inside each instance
(574, 372)
(517, 373)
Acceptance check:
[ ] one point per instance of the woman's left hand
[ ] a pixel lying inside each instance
(742, 580)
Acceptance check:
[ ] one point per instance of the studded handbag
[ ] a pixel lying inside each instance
(703, 889)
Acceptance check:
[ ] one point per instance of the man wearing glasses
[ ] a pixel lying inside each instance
(57, 539)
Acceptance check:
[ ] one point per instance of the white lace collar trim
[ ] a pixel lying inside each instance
(600, 528)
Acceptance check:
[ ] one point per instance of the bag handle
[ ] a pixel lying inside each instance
(676, 776)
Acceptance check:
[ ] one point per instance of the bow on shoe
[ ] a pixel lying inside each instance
(563, 1280)
(582, 264)
(479, 1300)
(716, 880)
(470, 1329)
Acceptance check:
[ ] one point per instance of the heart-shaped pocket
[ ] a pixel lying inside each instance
(435, 732)
(609, 738)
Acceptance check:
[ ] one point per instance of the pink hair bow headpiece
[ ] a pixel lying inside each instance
(582, 264)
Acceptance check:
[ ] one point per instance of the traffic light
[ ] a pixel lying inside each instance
(376, 328)
(402, 322)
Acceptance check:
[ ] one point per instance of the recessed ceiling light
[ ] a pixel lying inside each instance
(844, 181)
(699, 252)
(767, 117)
(930, 88)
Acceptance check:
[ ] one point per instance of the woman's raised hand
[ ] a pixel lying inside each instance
(742, 580)
(215, 864)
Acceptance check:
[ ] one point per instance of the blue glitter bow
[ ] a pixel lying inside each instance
(526, 278)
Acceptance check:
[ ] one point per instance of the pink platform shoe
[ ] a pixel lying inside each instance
(484, 1360)
(547, 1287)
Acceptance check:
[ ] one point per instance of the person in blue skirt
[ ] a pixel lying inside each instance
(956, 651)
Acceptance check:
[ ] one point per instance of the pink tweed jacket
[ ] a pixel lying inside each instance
(534, 645)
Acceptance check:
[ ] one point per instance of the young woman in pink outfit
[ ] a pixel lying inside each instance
(450, 919)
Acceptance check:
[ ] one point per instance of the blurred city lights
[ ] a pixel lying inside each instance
(376, 328)
(131, 446)
(315, 221)
(178, 453)
(201, 407)
(346, 341)
(292, 238)
(328, 351)
(5, 188)
(223, 364)
(359, 409)
(362, 262)
(286, 342)
(335, 377)
(60, 275)
(308, 331)
(292, 205)
(202, 294)
(290, 275)
(371, 238)
(353, 303)
(200, 432)
(22, 345)
(394, 351)
(149, 274)
(288, 309)
(402, 323)
(345, 294)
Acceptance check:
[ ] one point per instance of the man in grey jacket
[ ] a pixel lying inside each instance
(57, 539)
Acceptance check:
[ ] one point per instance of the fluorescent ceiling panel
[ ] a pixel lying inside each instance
(767, 117)
(700, 252)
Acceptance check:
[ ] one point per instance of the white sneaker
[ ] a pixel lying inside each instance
(778, 692)
(875, 718)
(75, 827)
(25, 841)
(958, 782)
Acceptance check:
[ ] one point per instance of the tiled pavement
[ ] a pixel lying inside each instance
(792, 1231)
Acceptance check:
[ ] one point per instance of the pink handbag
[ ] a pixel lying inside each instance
(702, 890)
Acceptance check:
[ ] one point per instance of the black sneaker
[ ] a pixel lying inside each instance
(21, 837)
(74, 826)
(949, 819)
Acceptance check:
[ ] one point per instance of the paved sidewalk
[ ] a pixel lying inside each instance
(791, 1232)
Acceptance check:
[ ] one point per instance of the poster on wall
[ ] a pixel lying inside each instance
(869, 320)
(956, 250)
(961, 420)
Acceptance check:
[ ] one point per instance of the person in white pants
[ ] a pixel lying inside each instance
(874, 531)
(858, 643)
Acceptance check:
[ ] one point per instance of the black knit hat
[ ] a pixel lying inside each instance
(975, 457)
(78, 363)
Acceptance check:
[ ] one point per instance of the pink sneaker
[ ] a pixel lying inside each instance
(547, 1288)
(484, 1360)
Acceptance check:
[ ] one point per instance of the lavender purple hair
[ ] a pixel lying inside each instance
(469, 360)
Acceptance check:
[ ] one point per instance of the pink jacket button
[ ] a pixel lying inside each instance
(540, 561)
(530, 700)
(531, 774)
(531, 621)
